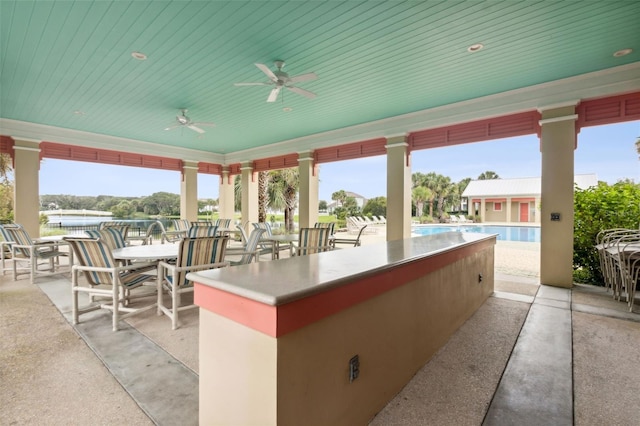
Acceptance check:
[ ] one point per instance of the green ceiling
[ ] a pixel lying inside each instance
(373, 59)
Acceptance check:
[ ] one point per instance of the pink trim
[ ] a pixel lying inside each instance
(277, 321)
(104, 156)
(525, 123)
(368, 148)
(614, 109)
(275, 163)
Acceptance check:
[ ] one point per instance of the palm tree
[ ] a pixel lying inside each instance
(444, 186)
(282, 193)
(488, 175)
(263, 182)
(420, 194)
(339, 196)
(638, 146)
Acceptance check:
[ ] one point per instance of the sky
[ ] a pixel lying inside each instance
(608, 151)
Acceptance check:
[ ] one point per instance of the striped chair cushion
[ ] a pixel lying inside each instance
(313, 240)
(223, 223)
(196, 231)
(181, 224)
(96, 253)
(112, 236)
(198, 251)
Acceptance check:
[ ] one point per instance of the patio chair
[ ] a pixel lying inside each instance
(354, 241)
(194, 254)
(181, 225)
(631, 271)
(94, 260)
(147, 238)
(250, 251)
(463, 219)
(26, 250)
(5, 244)
(329, 225)
(196, 231)
(113, 237)
(313, 240)
(168, 236)
(269, 245)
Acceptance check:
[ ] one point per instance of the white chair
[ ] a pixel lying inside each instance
(95, 261)
(250, 251)
(33, 253)
(194, 254)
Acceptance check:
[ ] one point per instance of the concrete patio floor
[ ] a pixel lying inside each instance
(530, 355)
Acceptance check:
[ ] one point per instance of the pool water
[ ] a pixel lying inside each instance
(529, 234)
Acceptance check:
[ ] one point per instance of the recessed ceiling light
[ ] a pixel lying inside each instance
(475, 47)
(622, 52)
(139, 56)
(287, 109)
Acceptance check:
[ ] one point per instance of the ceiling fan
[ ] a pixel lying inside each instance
(280, 79)
(184, 121)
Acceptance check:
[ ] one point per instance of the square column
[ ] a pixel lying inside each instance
(557, 145)
(249, 193)
(226, 201)
(308, 202)
(189, 191)
(398, 189)
(26, 192)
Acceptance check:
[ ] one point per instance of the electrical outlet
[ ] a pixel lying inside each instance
(354, 368)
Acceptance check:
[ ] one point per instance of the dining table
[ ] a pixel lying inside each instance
(276, 240)
(147, 253)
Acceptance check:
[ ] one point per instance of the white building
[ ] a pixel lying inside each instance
(511, 200)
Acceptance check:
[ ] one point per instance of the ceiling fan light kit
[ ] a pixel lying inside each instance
(280, 79)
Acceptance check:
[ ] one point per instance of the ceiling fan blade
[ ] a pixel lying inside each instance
(204, 123)
(302, 92)
(303, 77)
(265, 69)
(274, 94)
(197, 129)
(251, 84)
(172, 127)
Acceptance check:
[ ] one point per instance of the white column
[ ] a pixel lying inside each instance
(308, 190)
(226, 200)
(483, 210)
(249, 193)
(189, 191)
(556, 235)
(508, 207)
(26, 195)
(398, 189)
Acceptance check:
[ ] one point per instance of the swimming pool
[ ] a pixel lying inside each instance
(529, 234)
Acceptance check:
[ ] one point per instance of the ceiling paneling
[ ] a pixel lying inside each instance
(374, 60)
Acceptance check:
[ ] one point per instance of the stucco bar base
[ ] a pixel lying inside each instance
(302, 377)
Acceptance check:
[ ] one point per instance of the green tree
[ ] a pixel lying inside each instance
(6, 189)
(322, 205)
(349, 207)
(339, 197)
(488, 175)
(420, 194)
(595, 209)
(376, 206)
(123, 209)
(283, 193)
(161, 203)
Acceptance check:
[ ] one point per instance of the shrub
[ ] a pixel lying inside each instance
(597, 208)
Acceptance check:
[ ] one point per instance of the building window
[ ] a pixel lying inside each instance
(497, 207)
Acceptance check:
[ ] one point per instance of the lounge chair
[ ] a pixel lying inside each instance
(194, 254)
(463, 219)
(94, 260)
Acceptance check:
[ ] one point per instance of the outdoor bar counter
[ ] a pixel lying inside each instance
(278, 339)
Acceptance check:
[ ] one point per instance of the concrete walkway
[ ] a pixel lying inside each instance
(530, 355)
